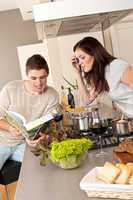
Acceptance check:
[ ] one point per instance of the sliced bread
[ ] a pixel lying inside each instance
(109, 173)
(125, 173)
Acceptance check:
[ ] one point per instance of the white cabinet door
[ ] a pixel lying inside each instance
(122, 40)
(24, 52)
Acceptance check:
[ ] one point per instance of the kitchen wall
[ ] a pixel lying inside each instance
(13, 32)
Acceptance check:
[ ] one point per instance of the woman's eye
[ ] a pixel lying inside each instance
(83, 57)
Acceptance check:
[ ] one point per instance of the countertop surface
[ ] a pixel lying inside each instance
(53, 183)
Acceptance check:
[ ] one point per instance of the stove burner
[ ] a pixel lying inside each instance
(109, 138)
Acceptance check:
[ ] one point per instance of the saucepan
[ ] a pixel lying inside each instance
(122, 126)
(81, 121)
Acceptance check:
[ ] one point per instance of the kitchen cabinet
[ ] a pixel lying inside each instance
(122, 38)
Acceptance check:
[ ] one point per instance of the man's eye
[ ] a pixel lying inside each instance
(33, 78)
(42, 78)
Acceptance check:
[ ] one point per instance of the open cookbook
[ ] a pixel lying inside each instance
(30, 129)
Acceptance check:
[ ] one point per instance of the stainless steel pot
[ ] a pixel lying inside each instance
(81, 121)
(121, 127)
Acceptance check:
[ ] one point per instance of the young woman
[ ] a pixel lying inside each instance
(102, 73)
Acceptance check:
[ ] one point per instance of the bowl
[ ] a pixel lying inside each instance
(72, 161)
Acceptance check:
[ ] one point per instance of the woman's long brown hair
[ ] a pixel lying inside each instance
(102, 58)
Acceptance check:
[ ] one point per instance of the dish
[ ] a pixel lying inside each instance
(91, 183)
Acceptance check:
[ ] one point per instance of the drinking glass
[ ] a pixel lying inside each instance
(103, 129)
(101, 152)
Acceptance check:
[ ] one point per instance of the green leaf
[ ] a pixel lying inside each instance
(73, 86)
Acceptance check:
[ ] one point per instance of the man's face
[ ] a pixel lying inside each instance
(37, 80)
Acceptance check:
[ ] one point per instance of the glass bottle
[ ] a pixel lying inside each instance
(63, 98)
(71, 101)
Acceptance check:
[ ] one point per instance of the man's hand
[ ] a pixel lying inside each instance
(14, 131)
(34, 143)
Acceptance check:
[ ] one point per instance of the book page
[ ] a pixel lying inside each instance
(36, 123)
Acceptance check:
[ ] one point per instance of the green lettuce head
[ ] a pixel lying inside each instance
(70, 153)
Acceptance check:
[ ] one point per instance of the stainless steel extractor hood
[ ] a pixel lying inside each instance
(76, 16)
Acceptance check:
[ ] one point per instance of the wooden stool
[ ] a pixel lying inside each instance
(9, 174)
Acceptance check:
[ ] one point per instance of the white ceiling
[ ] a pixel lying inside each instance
(8, 5)
(14, 4)
(25, 6)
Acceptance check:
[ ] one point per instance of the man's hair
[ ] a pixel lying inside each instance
(36, 62)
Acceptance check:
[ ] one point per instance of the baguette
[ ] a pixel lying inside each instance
(109, 173)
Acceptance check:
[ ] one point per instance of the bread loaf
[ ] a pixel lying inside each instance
(123, 157)
(125, 146)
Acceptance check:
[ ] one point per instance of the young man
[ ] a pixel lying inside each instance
(32, 98)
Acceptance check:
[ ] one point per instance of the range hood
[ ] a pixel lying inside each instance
(75, 16)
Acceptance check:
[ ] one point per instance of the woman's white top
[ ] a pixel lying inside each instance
(120, 93)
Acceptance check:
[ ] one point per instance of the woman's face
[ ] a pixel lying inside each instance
(85, 60)
(37, 80)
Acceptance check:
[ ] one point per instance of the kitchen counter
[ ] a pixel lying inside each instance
(53, 183)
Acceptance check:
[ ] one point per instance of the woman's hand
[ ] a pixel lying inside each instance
(75, 64)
